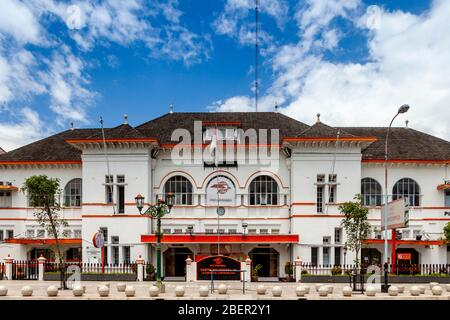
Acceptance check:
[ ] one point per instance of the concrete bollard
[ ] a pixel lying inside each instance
(277, 291)
(261, 290)
(323, 291)
(77, 291)
(422, 289)
(52, 291)
(3, 291)
(371, 291)
(347, 291)
(153, 291)
(437, 290)
(300, 291)
(179, 291)
(432, 284)
(223, 289)
(121, 287)
(393, 291)
(103, 291)
(318, 285)
(27, 291)
(414, 291)
(203, 291)
(130, 291)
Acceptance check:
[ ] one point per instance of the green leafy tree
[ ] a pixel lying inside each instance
(447, 231)
(43, 193)
(355, 225)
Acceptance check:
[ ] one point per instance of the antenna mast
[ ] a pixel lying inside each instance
(256, 54)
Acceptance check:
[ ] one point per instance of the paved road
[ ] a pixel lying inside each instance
(234, 292)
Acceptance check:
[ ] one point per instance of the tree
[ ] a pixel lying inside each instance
(447, 231)
(42, 193)
(355, 224)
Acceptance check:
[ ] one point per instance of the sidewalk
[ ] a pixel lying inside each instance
(191, 292)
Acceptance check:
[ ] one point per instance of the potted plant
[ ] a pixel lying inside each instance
(289, 270)
(150, 272)
(255, 270)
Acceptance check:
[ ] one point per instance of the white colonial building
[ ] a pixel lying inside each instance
(280, 181)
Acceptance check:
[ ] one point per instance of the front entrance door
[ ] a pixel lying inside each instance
(175, 261)
(268, 258)
(407, 261)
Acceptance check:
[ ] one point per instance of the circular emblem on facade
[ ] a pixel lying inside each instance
(220, 211)
(98, 240)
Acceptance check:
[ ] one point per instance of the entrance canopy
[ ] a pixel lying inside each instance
(224, 238)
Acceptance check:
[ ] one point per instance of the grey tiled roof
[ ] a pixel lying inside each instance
(404, 143)
(161, 128)
(321, 130)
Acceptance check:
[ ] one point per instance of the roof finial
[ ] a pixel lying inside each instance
(71, 126)
(171, 108)
(276, 107)
(318, 118)
(407, 122)
(125, 119)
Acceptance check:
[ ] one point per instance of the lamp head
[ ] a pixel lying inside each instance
(139, 202)
(403, 109)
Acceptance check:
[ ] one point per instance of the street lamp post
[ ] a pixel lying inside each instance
(403, 109)
(159, 210)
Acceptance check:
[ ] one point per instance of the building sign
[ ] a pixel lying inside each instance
(404, 256)
(220, 191)
(398, 215)
(210, 264)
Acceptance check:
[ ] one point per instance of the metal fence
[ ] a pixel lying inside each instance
(25, 270)
(399, 269)
(95, 268)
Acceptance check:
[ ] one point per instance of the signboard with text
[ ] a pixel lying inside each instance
(398, 215)
(217, 263)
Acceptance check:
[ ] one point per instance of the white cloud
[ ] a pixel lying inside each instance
(236, 20)
(407, 63)
(18, 21)
(28, 127)
(55, 70)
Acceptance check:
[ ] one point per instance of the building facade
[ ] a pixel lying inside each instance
(280, 181)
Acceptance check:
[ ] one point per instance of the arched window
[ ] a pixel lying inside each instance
(371, 194)
(72, 193)
(263, 191)
(181, 188)
(409, 189)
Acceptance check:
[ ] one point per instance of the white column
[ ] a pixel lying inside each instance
(140, 269)
(8, 267)
(298, 269)
(191, 268)
(41, 268)
(247, 266)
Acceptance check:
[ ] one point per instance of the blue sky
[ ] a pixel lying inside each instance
(353, 61)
